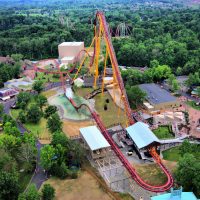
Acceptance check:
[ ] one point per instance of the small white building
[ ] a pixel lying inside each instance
(95, 142)
(69, 52)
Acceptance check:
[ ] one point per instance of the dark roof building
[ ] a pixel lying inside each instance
(158, 97)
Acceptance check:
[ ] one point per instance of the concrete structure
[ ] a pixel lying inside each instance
(22, 84)
(176, 195)
(6, 94)
(142, 137)
(69, 52)
(158, 98)
(95, 142)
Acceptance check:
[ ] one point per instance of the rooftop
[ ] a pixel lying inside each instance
(141, 134)
(156, 95)
(94, 138)
(68, 58)
(71, 44)
(175, 195)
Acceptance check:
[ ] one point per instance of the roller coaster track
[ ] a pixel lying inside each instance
(160, 188)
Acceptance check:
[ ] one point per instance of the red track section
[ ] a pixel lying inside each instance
(100, 16)
(123, 159)
(162, 188)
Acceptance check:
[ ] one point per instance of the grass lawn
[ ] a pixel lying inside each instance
(163, 132)
(37, 129)
(83, 91)
(109, 116)
(49, 93)
(172, 154)
(85, 187)
(193, 105)
(46, 78)
(151, 173)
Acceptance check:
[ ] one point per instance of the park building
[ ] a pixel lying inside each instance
(94, 142)
(175, 195)
(7, 93)
(70, 52)
(142, 139)
(157, 98)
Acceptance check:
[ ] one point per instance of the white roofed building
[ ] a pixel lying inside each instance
(69, 52)
(95, 142)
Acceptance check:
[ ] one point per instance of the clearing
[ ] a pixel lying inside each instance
(151, 173)
(71, 128)
(163, 132)
(83, 188)
(113, 114)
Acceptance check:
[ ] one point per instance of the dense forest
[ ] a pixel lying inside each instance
(170, 36)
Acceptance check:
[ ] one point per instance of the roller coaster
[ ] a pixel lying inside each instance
(101, 31)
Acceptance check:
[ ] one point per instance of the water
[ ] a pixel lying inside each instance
(67, 111)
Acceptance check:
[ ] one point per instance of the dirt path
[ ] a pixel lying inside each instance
(71, 128)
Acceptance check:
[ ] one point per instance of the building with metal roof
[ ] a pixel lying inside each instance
(158, 97)
(176, 195)
(141, 135)
(94, 141)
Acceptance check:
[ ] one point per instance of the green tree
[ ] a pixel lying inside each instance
(49, 111)
(9, 185)
(22, 117)
(38, 86)
(54, 123)
(1, 109)
(175, 85)
(11, 130)
(198, 91)
(23, 99)
(41, 101)
(185, 148)
(161, 72)
(47, 156)
(32, 193)
(9, 143)
(27, 155)
(48, 192)
(136, 96)
(34, 114)
(187, 173)
(59, 138)
(17, 57)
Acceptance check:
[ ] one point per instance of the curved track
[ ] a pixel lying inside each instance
(123, 159)
(160, 188)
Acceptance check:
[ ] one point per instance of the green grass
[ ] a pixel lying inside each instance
(113, 114)
(172, 154)
(83, 91)
(39, 130)
(151, 174)
(163, 132)
(46, 78)
(193, 105)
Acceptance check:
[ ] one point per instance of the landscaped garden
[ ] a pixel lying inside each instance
(164, 132)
